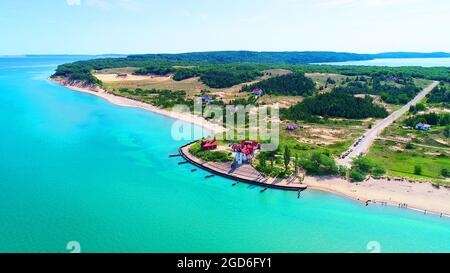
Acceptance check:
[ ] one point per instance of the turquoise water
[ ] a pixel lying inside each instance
(75, 168)
(425, 62)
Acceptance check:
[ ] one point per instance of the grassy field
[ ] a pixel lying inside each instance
(401, 162)
(430, 150)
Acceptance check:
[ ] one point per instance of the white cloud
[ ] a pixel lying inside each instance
(73, 2)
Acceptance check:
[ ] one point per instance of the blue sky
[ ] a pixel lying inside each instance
(147, 26)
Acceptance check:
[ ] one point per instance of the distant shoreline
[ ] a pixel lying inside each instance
(126, 102)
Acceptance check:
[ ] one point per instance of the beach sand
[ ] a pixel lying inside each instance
(418, 196)
(126, 102)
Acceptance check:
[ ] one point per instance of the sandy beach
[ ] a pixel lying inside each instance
(126, 102)
(418, 196)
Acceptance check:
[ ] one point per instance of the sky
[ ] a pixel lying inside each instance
(171, 26)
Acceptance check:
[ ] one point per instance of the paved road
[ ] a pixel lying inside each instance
(368, 138)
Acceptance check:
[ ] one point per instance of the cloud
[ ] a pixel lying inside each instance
(73, 2)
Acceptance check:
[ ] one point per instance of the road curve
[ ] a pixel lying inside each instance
(368, 138)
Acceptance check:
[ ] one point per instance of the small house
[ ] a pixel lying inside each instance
(207, 99)
(422, 126)
(392, 78)
(292, 127)
(257, 92)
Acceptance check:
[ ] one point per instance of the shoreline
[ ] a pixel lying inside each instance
(425, 199)
(417, 196)
(127, 102)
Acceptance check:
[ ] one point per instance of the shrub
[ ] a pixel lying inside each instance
(378, 171)
(418, 170)
(356, 175)
(342, 171)
(445, 173)
(364, 164)
(319, 163)
(409, 146)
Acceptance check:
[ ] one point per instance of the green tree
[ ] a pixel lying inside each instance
(321, 164)
(409, 146)
(447, 131)
(364, 164)
(356, 175)
(378, 171)
(296, 164)
(418, 170)
(342, 171)
(287, 158)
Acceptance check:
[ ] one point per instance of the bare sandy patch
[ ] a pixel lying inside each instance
(277, 72)
(107, 78)
(324, 75)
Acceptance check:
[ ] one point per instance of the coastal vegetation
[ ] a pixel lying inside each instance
(391, 89)
(159, 98)
(212, 156)
(363, 166)
(440, 95)
(429, 118)
(400, 162)
(228, 76)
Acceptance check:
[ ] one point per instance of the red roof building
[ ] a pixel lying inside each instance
(208, 145)
(257, 92)
(245, 150)
(292, 126)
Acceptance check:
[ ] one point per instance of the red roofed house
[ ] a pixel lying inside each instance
(292, 127)
(257, 92)
(208, 145)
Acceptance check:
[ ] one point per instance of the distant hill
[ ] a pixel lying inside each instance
(283, 57)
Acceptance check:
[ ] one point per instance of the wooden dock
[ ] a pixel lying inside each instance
(244, 173)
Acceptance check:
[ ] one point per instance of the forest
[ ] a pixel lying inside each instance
(335, 105)
(389, 93)
(299, 57)
(440, 94)
(294, 84)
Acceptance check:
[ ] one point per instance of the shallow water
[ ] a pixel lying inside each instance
(74, 167)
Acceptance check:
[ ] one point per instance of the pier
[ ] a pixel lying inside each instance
(244, 173)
